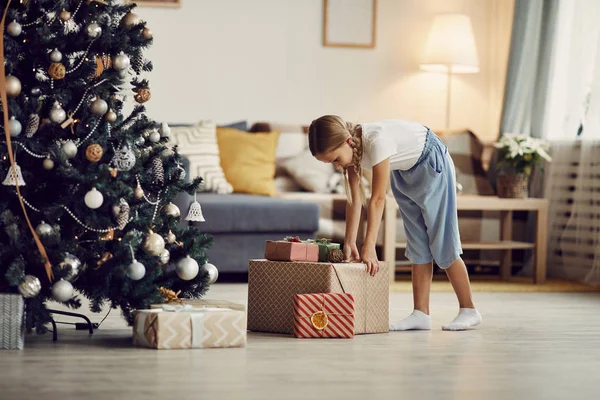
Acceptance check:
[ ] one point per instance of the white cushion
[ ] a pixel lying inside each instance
(308, 172)
(199, 144)
(291, 144)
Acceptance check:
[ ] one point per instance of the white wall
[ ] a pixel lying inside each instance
(228, 60)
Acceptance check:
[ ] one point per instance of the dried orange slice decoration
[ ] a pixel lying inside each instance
(319, 320)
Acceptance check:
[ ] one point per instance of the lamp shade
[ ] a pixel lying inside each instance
(451, 45)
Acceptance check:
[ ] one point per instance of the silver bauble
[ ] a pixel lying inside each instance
(69, 149)
(212, 271)
(164, 257)
(140, 141)
(154, 137)
(30, 287)
(56, 56)
(111, 116)
(136, 270)
(124, 159)
(62, 291)
(93, 199)
(15, 127)
(171, 238)
(121, 62)
(57, 114)
(122, 74)
(48, 164)
(13, 86)
(171, 210)
(165, 130)
(99, 107)
(72, 263)
(154, 244)
(44, 230)
(94, 30)
(187, 268)
(130, 19)
(14, 29)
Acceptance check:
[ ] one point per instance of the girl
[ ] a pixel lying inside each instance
(423, 182)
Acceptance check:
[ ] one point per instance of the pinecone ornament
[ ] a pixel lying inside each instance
(336, 256)
(157, 171)
(122, 214)
(137, 62)
(33, 124)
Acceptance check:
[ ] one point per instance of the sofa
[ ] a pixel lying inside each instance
(241, 223)
(309, 200)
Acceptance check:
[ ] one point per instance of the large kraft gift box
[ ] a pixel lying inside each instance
(189, 328)
(272, 286)
(206, 303)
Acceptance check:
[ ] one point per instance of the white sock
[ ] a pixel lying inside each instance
(466, 318)
(418, 320)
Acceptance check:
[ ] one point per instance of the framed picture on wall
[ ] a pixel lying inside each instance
(156, 3)
(349, 23)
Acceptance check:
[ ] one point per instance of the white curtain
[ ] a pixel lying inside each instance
(573, 184)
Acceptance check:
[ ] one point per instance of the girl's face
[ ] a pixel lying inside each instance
(340, 158)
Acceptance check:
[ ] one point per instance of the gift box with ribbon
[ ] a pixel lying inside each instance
(291, 249)
(325, 246)
(186, 327)
(324, 315)
(272, 286)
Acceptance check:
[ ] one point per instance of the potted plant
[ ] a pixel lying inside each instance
(517, 155)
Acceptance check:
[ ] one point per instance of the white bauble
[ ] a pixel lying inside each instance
(136, 270)
(187, 268)
(154, 136)
(62, 291)
(15, 127)
(70, 149)
(94, 199)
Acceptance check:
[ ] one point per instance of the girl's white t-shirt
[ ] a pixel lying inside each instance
(400, 141)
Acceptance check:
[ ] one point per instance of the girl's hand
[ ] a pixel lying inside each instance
(369, 257)
(351, 252)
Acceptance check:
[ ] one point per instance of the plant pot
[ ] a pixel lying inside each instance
(513, 186)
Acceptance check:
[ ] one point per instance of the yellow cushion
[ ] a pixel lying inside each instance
(248, 160)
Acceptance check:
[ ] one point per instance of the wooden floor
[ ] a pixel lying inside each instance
(531, 346)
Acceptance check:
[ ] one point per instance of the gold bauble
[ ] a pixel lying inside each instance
(65, 15)
(147, 33)
(130, 19)
(57, 71)
(94, 152)
(142, 95)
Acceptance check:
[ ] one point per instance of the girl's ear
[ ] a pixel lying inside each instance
(350, 141)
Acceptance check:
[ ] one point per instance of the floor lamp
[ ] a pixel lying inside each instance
(450, 49)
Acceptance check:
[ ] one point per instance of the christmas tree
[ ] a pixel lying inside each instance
(86, 202)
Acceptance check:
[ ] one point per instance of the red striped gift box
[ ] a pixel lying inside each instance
(324, 315)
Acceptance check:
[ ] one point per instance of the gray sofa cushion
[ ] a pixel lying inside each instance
(246, 213)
